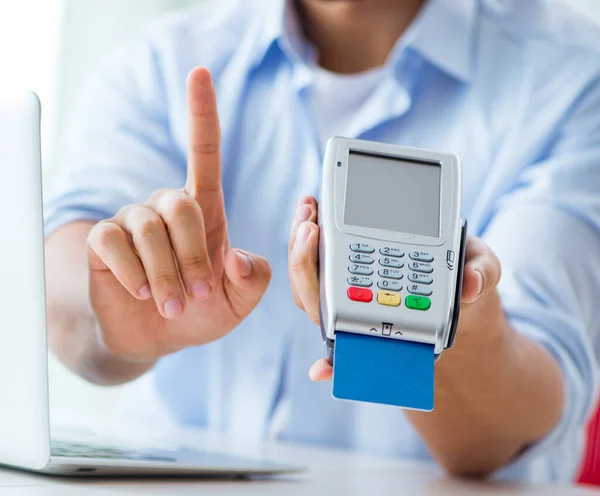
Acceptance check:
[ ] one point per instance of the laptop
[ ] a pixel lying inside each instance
(26, 440)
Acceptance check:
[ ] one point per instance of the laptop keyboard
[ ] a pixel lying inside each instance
(76, 450)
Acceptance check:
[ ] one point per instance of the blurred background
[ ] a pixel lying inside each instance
(50, 46)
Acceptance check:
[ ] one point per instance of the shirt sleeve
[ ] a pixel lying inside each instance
(546, 233)
(119, 149)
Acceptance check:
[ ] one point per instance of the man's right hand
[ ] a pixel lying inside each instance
(162, 274)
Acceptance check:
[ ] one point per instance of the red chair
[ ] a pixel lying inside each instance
(590, 468)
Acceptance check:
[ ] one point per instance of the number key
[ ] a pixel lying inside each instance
(361, 258)
(391, 273)
(421, 256)
(389, 285)
(362, 248)
(362, 270)
(391, 252)
(420, 278)
(426, 268)
(391, 262)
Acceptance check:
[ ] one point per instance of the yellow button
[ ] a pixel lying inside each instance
(389, 299)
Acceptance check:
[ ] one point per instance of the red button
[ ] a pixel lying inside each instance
(360, 294)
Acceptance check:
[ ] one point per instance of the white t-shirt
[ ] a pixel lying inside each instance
(336, 100)
(335, 103)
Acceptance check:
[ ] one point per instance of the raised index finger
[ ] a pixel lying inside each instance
(204, 154)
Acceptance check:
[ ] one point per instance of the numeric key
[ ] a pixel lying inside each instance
(386, 251)
(421, 256)
(362, 248)
(361, 258)
(389, 285)
(361, 270)
(420, 278)
(391, 273)
(391, 262)
(426, 268)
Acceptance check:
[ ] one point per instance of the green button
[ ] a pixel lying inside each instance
(417, 302)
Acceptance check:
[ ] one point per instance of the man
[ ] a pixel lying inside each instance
(143, 276)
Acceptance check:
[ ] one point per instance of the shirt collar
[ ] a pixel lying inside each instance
(443, 33)
(281, 26)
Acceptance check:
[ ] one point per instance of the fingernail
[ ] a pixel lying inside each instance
(244, 264)
(303, 213)
(145, 292)
(479, 281)
(173, 308)
(201, 290)
(303, 233)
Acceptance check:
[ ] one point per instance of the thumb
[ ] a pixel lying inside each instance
(247, 277)
(482, 270)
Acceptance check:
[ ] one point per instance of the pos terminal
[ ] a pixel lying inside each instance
(391, 258)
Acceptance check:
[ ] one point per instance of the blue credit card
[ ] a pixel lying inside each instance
(381, 370)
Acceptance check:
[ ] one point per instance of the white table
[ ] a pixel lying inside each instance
(329, 472)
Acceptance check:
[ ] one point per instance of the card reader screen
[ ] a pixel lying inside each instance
(393, 194)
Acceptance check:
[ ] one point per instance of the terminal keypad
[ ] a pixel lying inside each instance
(389, 275)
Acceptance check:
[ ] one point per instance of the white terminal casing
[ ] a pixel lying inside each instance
(435, 326)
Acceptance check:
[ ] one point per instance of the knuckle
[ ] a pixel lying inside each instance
(197, 262)
(181, 204)
(128, 210)
(176, 203)
(482, 248)
(104, 234)
(205, 148)
(149, 226)
(166, 279)
(158, 194)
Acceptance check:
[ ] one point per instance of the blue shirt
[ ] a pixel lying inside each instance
(511, 87)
